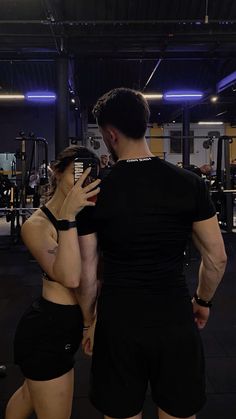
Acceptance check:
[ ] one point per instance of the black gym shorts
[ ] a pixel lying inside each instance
(47, 338)
(147, 339)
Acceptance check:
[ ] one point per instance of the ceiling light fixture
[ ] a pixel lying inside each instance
(153, 96)
(210, 123)
(41, 96)
(182, 95)
(11, 97)
(226, 82)
(221, 113)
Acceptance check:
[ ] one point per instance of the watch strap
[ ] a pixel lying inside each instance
(63, 225)
(201, 302)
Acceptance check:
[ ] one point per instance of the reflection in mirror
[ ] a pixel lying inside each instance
(57, 58)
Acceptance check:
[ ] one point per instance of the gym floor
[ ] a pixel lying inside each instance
(20, 283)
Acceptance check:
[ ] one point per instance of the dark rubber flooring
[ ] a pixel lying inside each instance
(20, 283)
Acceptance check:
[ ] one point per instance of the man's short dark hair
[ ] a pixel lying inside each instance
(125, 109)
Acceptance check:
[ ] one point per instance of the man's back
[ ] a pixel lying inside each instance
(143, 218)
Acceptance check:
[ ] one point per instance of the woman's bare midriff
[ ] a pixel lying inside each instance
(53, 291)
(56, 293)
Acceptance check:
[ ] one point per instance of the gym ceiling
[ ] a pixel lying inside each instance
(152, 45)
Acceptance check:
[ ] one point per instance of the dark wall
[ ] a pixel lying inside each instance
(39, 119)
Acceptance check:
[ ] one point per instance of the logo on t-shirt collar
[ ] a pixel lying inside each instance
(142, 159)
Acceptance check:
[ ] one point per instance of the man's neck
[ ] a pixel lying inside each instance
(134, 150)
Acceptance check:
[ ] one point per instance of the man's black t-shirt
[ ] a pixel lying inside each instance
(143, 219)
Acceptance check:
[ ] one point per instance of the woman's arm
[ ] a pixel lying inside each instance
(61, 261)
(52, 256)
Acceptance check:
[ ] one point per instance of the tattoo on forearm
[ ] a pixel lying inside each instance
(53, 251)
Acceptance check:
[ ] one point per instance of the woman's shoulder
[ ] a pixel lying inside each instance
(37, 222)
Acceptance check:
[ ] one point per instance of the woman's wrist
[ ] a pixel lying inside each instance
(86, 327)
(66, 215)
(66, 212)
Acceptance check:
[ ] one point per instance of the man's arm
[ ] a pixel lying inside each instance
(208, 240)
(87, 291)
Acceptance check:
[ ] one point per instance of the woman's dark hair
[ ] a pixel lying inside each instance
(125, 109)
(63, 160)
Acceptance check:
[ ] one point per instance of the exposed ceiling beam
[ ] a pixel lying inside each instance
(180, 21)
(53, 14)
(38, 53)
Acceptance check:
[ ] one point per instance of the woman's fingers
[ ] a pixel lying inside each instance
(92, 193)
(82, 178)
(80, 195)
(86, 346)
(92, 185)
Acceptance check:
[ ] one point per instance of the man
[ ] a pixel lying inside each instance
(104, 166)
(205, 169)
(104, 160)
(147, 325)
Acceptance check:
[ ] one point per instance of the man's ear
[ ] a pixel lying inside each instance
(113, 134)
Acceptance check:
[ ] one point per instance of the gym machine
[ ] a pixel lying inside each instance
(223, 190)
(33, 172)
(222, 185)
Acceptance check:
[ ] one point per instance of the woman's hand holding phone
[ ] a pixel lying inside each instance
(79, 196)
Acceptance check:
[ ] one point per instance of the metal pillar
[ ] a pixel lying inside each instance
(62, 106)
(24, 173)
(84, 125)
(185, 140)
(77, 123)
(229, 196)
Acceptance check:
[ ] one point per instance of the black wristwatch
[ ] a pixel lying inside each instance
(201, 302)
(64, 225)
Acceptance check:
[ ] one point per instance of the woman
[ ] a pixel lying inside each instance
(51, 330)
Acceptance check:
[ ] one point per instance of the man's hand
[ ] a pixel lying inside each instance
(201, 314)
(88, 339)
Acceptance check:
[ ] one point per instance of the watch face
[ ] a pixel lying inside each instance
(62, 224)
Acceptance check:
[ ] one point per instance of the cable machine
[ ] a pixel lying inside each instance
(28, 166)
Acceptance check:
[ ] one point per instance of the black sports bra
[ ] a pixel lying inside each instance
(53, 220)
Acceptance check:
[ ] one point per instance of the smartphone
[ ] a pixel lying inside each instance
(81, 164)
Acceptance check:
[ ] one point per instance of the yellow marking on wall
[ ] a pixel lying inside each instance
(231, 131)
(156, 144)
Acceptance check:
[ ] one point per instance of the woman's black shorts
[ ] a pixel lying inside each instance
(47, 338)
